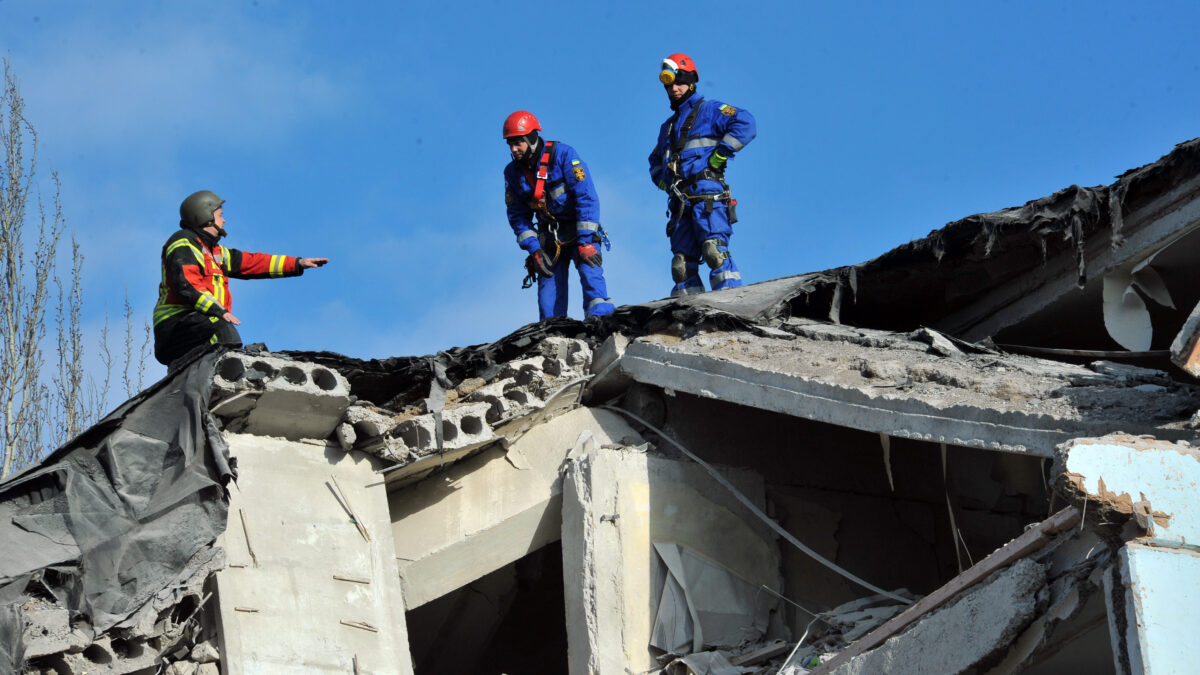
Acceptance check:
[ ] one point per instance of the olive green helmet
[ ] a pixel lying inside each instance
(197, 210)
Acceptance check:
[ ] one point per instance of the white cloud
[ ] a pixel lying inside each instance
(105, 82)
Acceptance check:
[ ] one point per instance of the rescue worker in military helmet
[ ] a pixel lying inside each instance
(194, 305)
(695, 145)
(547, 182)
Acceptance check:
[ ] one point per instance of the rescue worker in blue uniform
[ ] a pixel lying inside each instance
(694, 146)
(549, 180)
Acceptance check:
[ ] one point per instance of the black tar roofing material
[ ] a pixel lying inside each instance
(111, 518)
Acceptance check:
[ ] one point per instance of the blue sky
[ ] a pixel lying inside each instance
(370, 133)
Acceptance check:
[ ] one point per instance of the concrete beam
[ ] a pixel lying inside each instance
(307, 590)
(876, 410)
(1015, 551)
(490, 509)
(962, 634)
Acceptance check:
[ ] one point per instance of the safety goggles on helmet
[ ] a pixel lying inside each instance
(676, 73)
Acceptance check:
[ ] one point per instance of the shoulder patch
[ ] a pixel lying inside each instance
(728, 110)
(574, 162)
(579, 173)
(508, 198)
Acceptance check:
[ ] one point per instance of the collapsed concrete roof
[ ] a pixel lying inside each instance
(1035, 274)
(877, 455)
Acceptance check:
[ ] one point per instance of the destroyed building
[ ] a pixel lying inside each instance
(973, 454)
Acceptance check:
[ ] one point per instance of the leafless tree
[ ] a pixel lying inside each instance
(72, 415)
(25, 278)
(37, 406)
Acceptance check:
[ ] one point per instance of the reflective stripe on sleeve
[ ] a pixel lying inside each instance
(586, 227)
(732, 142)
(204, 302)
(525, 235)
(276, 267)
(556, 192)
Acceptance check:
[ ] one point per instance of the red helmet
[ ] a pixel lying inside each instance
(679, 68)
(520, 123)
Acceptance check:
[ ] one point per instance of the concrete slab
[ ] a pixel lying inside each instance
(616, 505)
(490, 509)
(886, 383)
(305, 590)
(273, 396)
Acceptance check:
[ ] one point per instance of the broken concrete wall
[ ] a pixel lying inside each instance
(312, 583)
(493, 508)
(617, 504)
(1142, 491)
(1161, 591)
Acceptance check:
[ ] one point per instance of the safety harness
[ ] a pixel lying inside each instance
(681, 187)
(547, 223)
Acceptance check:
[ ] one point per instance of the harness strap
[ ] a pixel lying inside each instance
(538, 180)
(688, 123)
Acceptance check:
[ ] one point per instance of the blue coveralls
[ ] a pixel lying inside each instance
(571, 200)
(717, 127)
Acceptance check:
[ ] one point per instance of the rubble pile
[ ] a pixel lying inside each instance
(476, 412)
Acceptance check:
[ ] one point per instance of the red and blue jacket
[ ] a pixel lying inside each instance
(195, 275)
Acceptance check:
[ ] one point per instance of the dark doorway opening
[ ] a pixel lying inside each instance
(511, 621)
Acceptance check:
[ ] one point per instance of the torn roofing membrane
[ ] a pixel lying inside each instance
(113, 517)
(1033, 274)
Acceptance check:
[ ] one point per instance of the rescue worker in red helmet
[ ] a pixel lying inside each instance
(194, 305)
(547, 181)
(694, 148)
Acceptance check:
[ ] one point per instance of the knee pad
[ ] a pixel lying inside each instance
(713, 255)
(679, 268)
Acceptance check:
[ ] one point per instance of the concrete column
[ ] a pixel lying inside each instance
(616, 505)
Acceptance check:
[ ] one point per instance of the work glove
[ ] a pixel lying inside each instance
(717, 160)
(538, 263)
(588, 254)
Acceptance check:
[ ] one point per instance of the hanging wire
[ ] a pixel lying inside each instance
(758, 512)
